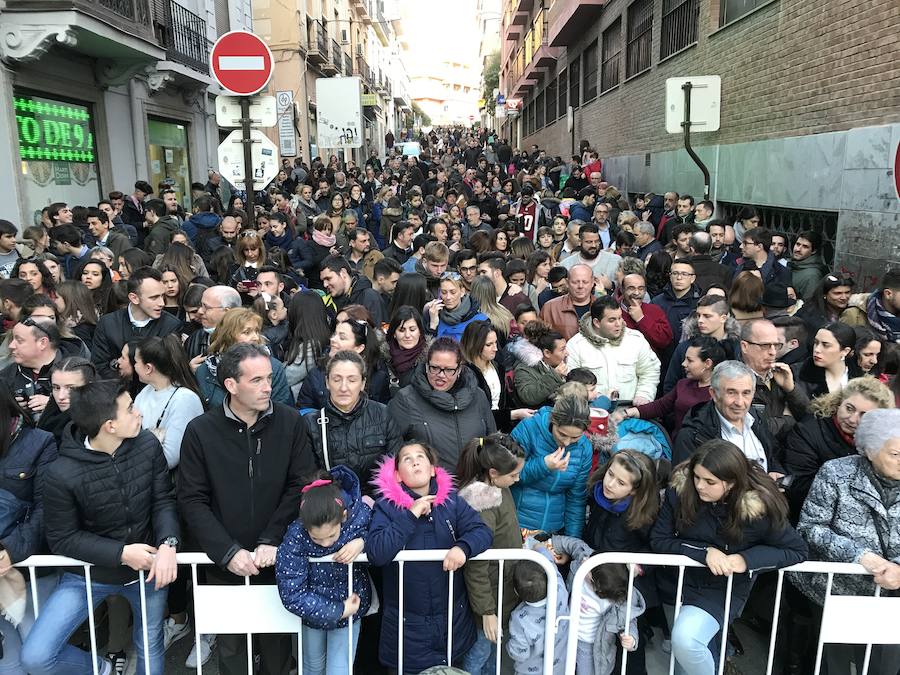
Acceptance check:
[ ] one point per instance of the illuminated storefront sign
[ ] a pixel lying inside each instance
(53, 130)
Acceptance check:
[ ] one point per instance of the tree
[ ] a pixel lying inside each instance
(491, 79)
(421, 114)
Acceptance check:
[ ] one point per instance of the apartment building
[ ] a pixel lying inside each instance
(311, 39)
(810, 110)
(100, 93)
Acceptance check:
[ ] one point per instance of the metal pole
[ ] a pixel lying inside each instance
(686, 125)
(247, 140)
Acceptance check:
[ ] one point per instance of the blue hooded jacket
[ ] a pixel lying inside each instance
(552, 501)
(316, 591)
(202, 220)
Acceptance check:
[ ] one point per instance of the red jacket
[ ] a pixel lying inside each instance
(654, 326)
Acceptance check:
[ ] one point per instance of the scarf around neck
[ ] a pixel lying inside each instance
(613, 507)
(452, 317)
(323, 239)
(885, 324)
(404, 360)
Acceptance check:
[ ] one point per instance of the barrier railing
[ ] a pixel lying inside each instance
(214, 605)
(859, 609)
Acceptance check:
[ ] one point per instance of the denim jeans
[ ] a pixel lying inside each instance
(13, 636)
(46, 650)
(325, 652)
(693, 630)
(482, 657)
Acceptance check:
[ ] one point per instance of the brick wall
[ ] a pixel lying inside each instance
(792, 67)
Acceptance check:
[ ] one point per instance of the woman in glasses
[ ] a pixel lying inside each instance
(443, 405)
(453, 310)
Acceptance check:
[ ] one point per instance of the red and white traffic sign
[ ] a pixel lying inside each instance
(241, 62)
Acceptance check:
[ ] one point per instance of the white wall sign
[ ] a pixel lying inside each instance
(339, 112)
(287, 140)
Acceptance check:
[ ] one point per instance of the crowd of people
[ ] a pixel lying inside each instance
(472, 348)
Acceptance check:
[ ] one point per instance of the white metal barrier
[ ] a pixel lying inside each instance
(845, 620)
(262, 611)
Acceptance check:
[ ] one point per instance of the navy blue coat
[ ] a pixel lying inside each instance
(22, 474)
(761, 547)
(316, 592)
(677, 309)
(452, 522)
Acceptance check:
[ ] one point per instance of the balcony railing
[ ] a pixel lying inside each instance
(134, 10)
(362, 69)
(131, 16)
(337, 56)
(183, 34)
(348, 65)
(318, 43)
(535, 38)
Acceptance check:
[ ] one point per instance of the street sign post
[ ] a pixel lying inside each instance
(694, 102)
(262, 111)
(339, 112)
(263, 160)
(242, 63)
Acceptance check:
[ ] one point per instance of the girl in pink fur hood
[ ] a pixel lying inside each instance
(418, 508)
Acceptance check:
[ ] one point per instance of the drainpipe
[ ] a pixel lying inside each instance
(137, 127)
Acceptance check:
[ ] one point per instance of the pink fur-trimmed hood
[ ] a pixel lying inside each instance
(389, 488)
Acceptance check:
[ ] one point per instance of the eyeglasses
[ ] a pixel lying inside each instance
(31, 323)
(446, 372)
(766, 346)
(249, 233)
(468, 268)
(678, 275)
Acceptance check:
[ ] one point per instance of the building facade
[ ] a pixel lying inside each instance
(810, 107)
(326, 38)
(100, 93)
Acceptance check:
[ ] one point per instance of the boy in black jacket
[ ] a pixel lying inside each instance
(109, 501)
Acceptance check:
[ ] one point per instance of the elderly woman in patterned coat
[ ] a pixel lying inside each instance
(852, 515)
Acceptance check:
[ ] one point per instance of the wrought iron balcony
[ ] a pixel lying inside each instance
(183, 34)
(318, 43)
(348, 65)
(130, 16)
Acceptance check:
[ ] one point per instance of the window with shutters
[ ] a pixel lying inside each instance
(640, 33)
(679, 26)
(563, 90)
(574, 83)
(550, 97)
(612, 48)
(589, 70)
(223, 21)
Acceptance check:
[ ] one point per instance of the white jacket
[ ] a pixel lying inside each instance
(631, 367)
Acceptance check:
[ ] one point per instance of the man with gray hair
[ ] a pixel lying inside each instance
(708, 271)
(572, 243)
(215, 301)
(645, 240)
(731, 417)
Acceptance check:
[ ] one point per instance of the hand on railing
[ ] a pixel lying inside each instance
(351, 606)
(138, 556)
(242, 564)
(454, 559)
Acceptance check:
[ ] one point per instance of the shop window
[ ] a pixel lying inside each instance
(169, 159)
(58, 151)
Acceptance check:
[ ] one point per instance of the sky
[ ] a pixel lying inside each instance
(437, 30)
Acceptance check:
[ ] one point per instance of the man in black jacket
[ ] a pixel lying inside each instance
(242, 466)
(709, 272)
(108, 500)
(731, 417)
(142, 317)
(347, 288)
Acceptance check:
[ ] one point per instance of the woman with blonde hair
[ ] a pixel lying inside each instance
(238, 325)
(829, 432)
(485, 294)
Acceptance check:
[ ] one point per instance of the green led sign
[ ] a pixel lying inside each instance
(53, 131)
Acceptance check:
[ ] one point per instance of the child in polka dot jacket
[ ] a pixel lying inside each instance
(333, 520)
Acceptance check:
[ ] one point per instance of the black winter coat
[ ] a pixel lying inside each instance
(96, 503)
(22, 472)
(356, 439)
(115, 330)
(810, 378)
(447, 420)
(313, 392)
(761, 547)
(239, 487)
(702, 423)
(812, 442)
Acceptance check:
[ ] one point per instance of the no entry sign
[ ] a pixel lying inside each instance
(241, 62)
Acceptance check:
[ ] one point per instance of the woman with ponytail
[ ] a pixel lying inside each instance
(171, 397)
(487, 467)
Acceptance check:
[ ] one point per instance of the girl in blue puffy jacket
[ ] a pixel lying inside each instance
(552, 488)
(333, 520)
